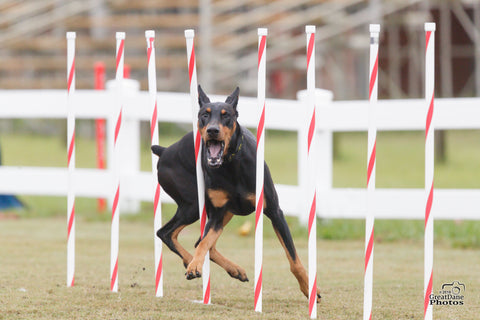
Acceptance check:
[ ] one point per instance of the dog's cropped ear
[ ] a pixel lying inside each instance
(202, 97)
(233, 98)
(158, 150)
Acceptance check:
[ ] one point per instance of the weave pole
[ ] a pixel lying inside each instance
(429, 165)
(157, 208)
(262, 41)
(71, 159)
(192, 73)
(371, 164)
(99, 71)
(312, 189)
(120, 36)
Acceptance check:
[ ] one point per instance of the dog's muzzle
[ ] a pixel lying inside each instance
(215, 153)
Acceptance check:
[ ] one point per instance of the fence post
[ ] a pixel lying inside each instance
(129, 147)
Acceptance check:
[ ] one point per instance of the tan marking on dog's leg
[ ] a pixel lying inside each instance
(194, 269)
(226, 219)
(218, 197)
(252, 198)
(234, 270)
(297, 268)
(186, 256)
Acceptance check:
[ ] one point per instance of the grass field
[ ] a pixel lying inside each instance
(33, 248)
(33, 280)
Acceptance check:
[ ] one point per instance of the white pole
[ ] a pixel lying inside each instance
(311, 191)
(192, 72)
(120, 36)
(262, 41)
(71, 159)
(429, 164)
(371, 156)
(157, 208)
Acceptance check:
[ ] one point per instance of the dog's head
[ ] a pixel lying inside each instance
(217, 122)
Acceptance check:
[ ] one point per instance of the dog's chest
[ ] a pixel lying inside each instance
(235, 191)
(241, 203)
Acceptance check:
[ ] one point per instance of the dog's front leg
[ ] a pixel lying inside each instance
(233, 269)
(213, 229)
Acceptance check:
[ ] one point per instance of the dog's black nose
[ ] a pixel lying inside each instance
(213, 131)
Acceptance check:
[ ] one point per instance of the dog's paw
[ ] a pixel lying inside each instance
(319, 297)
(239, 274)
(191, 275)
(194, 270)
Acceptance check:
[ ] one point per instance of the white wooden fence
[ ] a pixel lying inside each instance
(288, 115)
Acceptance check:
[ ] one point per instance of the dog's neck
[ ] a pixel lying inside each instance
(236, 143)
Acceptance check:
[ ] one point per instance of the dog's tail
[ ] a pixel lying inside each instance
(158, 150)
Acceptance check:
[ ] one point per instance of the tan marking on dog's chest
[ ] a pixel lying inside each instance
(218, 197)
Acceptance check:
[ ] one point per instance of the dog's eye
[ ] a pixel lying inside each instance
(205, 115)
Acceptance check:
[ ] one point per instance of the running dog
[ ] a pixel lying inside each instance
(228, 162)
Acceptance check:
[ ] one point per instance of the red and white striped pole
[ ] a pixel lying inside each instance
(192, 73)
(71, 159)
(312, 183)
(262, 42)
(157, 208)
(99, 70)
(120, 36)
(371, 154)
(429, 164)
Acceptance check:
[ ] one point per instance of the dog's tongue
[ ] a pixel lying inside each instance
(214, 149)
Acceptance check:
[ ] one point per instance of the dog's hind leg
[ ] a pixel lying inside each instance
(184, 216)
(296, 267)
(276, 216)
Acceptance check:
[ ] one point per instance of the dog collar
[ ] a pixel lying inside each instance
(230, 157)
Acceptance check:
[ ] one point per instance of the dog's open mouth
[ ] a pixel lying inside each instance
(215, 153)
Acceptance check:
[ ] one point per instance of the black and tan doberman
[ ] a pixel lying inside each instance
(228, 162)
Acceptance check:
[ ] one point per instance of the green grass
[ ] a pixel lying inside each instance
(401, 160)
